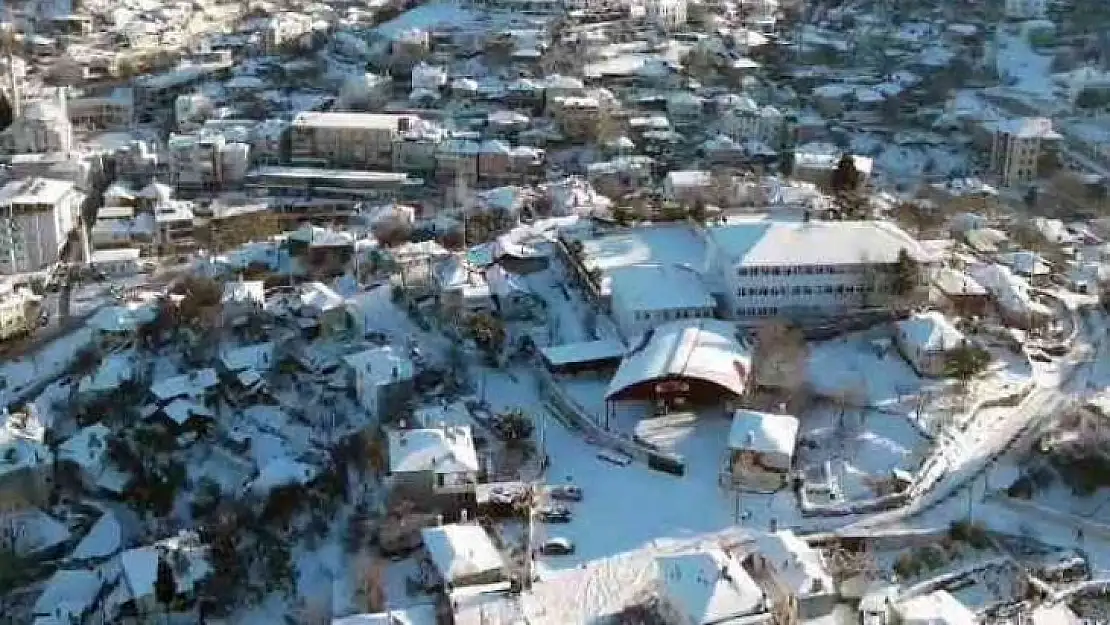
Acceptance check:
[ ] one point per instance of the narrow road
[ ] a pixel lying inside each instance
(988, 440)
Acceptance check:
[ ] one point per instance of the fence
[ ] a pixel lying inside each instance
(581, 419)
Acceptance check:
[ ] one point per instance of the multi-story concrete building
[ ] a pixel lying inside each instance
(361, 140)
(42, 126)
(1018, 147)
(666, 13)
(809, 270)
(750, 122)
(36, 217)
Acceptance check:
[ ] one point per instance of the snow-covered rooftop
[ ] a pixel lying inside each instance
(382, 365)
(421, 614)
(777, 243)
(763, 432)
(936, 608)
(930, 332)
(796, 565)
(461, 550)
(193, 384)
(442, 450)
(659, 287)
(707, 586)
(702, 349)
(69, 594)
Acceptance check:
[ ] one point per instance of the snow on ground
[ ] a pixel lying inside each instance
(1016, 60)
(625, 508)
(857, 365)
(861, 446)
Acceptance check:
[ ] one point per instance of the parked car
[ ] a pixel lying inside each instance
(557, 546)
(565, 492)
(554, 514)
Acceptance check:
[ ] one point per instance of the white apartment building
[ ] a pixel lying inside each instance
(355, 140)
(668, 14)
(36, 217)
(207, 160)
(1018, 146)
(1026, 9)
(807, 270)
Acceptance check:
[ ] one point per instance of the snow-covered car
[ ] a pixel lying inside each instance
(565, 492)
(557, 546)
(554, 514)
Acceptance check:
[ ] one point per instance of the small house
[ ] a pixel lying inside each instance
(433, 461)
(241, 299)
(936, 608)
(927, 340)
(961, 293)
(319, 303)
(24, 461)
(463, 554)
(116, 262)
(761, 448)
(83, 459)
(135, 595)
(796, 574)
(199, 384)
(382, 379)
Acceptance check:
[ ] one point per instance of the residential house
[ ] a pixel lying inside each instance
(463, 554)
(25, 461)
(577, 116)
(241, 299)
(415, 264)
(704, 587)
(746, 122)
(433, 461)
(382, 380)
(817, 166)
(325, 308)
(688, 186)
(936, 608)
(323, 250)
(761, 449)
(135, 596)
(39, 215)
(685, 108)
(84, 459)
(927, 340)
(794, 575)
(621, 175)
(961, 293)
(72, 596)
(200, 385)
(461, 289)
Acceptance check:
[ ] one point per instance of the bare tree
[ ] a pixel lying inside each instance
(780, 359)
(370, 572)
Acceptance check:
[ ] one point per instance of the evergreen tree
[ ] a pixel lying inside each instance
(165, 585)
(906, 274)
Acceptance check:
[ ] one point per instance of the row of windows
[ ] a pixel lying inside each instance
(668, 315)
(800, 270)
(808, 290)
(758, 311)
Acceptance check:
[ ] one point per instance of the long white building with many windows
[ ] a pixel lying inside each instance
(808, 270)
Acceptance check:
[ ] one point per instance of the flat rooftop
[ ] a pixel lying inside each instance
(331, 119)
(662, 245)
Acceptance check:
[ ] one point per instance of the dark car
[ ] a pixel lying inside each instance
(554, 514)
(565, 492)
(557, 547)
